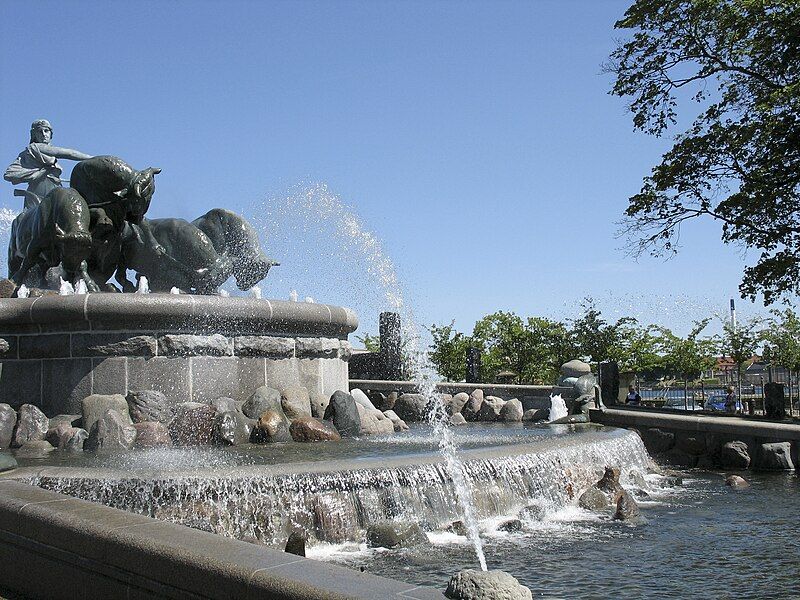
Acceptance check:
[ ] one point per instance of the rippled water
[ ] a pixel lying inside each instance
(702, 540)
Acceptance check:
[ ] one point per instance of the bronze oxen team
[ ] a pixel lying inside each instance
(96, 229)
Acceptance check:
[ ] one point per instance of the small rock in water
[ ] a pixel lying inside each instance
(471, 584)
(343, 411)
(511, 412)
(35, 449)
(776, 456)
(32, 424)
(296, 544)
(263, 399)
(77, 441)
(736, 482)
(111, 433)
(734, 455)
(628, 510)
(193, 425)
(231, 428)
(390, 534)
(272, 426)
(593, 499)
(411, 407)
(152, 434)
(510, 526)
(458, 528)
(457, 419)
(309, 429)
(397, 422)
(609, 483)
(295, 402)
(149, 405)
(8, 419)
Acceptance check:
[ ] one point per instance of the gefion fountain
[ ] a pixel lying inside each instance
(196, 407)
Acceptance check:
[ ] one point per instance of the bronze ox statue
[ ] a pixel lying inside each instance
(53, 230)
(96, 229)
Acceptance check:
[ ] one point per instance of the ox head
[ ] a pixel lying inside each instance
(140, 191)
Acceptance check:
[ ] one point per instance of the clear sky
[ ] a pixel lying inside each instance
(475, 140)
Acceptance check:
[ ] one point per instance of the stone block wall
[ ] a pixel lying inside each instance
(55, 351)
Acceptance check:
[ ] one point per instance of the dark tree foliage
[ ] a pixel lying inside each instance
(739, 161)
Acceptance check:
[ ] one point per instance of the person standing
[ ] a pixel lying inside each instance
(730, 400)
(37, 165)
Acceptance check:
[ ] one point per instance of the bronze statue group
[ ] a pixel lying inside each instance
(96, 229)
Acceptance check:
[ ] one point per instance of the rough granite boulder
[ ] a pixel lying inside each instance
(111, 433)
(593, 499)
(231, 428)
(412, 408)
(609, 483)
(71, 420)
(295, 402)
(263, 399)
(511, 412)
(361, 398)
(35, 449)
(272, 426)
(391, 534)
(657, 441)
(296, 544)
(457, 419)
(776, 457)
(691, 443)
(319, 402)
(8, 419)
(457, 403)
(152, 434)
(490, 409)
(343, 411)
(374, 422)
(473, 405)
(736, 482)
(32, 425)
(95, 406)
(380, 400)
(77, 441)
(535, 414)
(734, 455)
(471, 584)
(397, 422)
(193, 424)
(59, 435)
(628, 510)
(149, 405)
(309, 429)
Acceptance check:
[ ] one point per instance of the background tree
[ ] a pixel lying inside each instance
(686, 358)
(448, 351)
(740, 341)
(739, 160)
(641, 351)
(597, 339)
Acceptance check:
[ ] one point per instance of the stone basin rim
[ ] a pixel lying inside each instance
(142, 311)
(244, 472)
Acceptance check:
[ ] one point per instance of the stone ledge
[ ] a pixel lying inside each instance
(177, 344)
(261, 345)
(48, 538)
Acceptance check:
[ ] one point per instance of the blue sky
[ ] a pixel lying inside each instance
(475, 140)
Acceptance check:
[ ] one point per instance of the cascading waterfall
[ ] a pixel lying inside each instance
(266, 502)
(319, 205)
